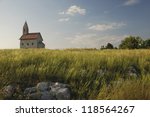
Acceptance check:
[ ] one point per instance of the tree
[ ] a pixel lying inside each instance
(146, 43)
(102, 47)
(109, 46)
(131, 42)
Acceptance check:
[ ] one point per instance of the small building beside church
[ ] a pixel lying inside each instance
(31, 40)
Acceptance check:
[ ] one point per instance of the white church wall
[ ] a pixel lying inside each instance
(28, 44)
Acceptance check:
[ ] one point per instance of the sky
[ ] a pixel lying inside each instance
(74, 23)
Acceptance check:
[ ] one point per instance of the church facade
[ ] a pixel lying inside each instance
(31, 40)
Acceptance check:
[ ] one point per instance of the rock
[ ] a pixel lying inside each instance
(42, 86)
(60, 85)
(56, 86)
(133, 71)
(54, 89)
(47, 96)
(63, 94)
(8, 91)
(48, 91)
(33, 96)
(42, 91)
(30, 90)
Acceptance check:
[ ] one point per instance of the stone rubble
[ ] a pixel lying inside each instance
(42, 91)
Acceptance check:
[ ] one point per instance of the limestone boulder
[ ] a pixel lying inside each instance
(8, 91)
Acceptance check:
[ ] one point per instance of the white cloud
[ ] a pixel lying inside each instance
(105, 27)
(64, 19)
(94, 40)
(131, 2)
(72, 10)
(76, 10)
(61, 13)
(84, 40)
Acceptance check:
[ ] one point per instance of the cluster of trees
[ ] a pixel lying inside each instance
(131, 42)
(134, 43)
(108, 46)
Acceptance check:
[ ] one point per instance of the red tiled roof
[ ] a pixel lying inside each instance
(30, 36)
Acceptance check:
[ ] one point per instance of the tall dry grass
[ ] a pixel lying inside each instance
(90, 73)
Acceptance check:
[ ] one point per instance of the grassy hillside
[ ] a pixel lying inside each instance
(92, 74)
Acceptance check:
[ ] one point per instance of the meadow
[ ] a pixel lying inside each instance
(91, 74)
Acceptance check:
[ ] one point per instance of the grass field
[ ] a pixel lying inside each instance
(92, 74)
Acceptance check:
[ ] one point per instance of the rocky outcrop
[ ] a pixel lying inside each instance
(8, 91)
(133, 71)
(42, 91)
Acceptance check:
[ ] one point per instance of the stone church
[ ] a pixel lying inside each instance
(31, 40)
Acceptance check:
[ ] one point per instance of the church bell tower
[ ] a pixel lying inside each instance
(25, 29)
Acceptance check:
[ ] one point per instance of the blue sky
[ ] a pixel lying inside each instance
(74, 23)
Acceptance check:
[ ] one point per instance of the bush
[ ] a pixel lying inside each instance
(131, 43)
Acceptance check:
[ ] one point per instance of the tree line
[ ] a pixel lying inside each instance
(131, 42)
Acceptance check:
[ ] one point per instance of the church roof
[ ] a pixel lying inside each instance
(30, 36)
